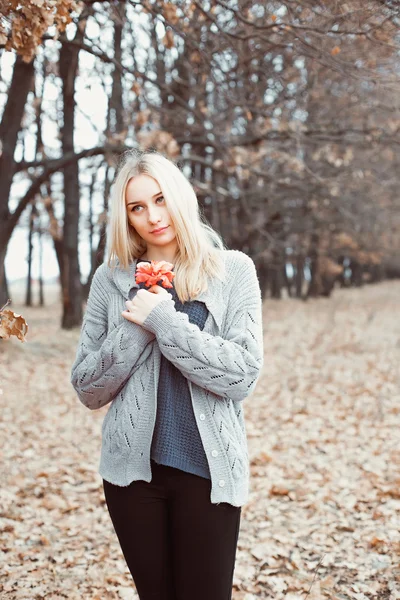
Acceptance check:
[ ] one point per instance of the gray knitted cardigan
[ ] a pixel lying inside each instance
(118, 361)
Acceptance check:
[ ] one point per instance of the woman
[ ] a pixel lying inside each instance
(176, 365)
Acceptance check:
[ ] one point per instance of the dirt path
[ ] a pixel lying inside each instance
(323, 429)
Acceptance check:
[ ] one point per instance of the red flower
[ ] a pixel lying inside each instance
(151, 273)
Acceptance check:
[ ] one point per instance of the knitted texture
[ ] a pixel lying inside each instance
(176, 440)
(119, 361)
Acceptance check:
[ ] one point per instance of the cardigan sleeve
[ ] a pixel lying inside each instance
(228, 366)
(104, 362)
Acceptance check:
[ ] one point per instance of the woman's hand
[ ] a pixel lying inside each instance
(138, 309)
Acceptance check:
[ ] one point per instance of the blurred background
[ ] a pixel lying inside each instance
(285, 116)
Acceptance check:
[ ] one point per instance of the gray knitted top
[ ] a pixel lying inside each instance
(176, 440)
(118, 363)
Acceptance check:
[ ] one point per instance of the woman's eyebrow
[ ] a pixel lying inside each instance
(139, 201)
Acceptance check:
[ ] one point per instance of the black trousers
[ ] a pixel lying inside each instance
(176, 543)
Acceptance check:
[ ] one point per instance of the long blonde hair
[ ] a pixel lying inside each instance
(199, 245)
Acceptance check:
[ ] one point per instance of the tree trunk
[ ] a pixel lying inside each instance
(276, 283)
(315, 285)
(9, 129)
(299, 275)
(71, 282)
(41, 286)
(28, 298)
(98, 254)
(115, 127)
(55, 228)
(4, 288)
(287, 280)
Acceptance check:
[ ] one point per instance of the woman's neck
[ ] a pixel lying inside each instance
(145, 257)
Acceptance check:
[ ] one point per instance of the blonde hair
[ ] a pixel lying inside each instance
(199, 245)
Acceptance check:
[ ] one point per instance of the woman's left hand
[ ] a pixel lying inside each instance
(138, 309)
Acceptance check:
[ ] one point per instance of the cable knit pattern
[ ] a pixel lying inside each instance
(104, 362)
(226, 367)
(119, 362)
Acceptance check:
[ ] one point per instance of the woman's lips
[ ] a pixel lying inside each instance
(158, 231)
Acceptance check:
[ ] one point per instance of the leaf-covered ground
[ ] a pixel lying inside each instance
(323, 516)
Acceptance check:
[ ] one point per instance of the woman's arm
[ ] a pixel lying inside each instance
(228, 366)
(104, 362)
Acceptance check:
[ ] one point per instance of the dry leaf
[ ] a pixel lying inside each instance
(336, 535)
(136, 88)
(12, 324)
(261, 459)
(170, 13)
(168, 39)
(279, 490)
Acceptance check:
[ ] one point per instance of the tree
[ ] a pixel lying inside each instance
(246, 96)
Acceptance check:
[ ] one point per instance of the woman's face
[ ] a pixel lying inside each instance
(147, 212)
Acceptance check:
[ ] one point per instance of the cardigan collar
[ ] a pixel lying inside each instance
(124, 279)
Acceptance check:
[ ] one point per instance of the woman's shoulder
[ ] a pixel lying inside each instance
(239, 269)
(104, 274)
(102, 271)
(237, 259)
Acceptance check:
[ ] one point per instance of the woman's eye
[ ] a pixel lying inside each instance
(138, 205)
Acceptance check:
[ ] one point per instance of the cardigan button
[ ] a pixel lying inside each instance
(221, 483)
(214, 452)
(202, 416)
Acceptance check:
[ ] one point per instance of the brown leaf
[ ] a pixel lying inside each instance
(136, 88)
(279, 490)
(170, 13)
(261, 459)
(168, 39)
(12, 324)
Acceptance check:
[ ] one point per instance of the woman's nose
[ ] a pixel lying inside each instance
(154, 217)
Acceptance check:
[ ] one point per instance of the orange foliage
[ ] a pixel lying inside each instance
(22, 25)
(12, 324)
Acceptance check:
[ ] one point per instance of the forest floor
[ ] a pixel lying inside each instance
(323, 517)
